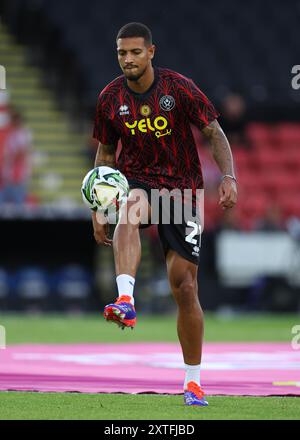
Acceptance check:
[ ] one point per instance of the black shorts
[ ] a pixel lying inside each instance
(184, 237)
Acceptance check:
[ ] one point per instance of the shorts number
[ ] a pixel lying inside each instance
(196, 231)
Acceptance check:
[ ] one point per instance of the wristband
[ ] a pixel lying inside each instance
(229, 175)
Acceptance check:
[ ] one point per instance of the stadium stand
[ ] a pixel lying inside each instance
(232, 59)
(217, 46)
(31, 288)
(4, 288)
(59, 155)
(72, 287)
(60, 54)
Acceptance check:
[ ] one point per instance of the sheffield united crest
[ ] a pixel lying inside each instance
(167, 103)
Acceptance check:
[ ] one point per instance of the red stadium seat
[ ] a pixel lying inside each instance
(288, 133)
(243, 161)
(280, 136)
(279, 180)
(254, 204)
(250, 182)
(259, 133)
(268, 158)
(267, 173)
(293, 158)
(240, 155)
(290, 205)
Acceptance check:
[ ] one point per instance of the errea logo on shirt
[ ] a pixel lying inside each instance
(123, 110)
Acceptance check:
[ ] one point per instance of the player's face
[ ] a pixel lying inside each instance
(134, 57)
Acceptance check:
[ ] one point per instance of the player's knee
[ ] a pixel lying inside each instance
(186, 294)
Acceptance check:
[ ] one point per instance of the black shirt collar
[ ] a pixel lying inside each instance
(144, 95)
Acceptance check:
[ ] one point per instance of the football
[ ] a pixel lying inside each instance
(105, 189)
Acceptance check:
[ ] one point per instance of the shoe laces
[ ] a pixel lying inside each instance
(196, 389)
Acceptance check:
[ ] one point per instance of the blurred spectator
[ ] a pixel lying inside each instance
(15, 161)
(233, 120)
(272, 220)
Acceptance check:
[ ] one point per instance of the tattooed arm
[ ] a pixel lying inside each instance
(105, 156)
(220, 147)
(221, 152)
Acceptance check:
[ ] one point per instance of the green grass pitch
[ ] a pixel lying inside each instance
(92, 328)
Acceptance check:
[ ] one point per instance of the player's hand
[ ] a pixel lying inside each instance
(227, 193)
(101, 229)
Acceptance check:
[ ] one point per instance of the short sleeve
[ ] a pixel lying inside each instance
(104, 130)
(198, 107)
